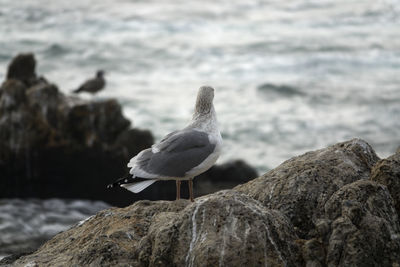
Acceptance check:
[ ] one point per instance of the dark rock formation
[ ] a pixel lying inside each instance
(387, 172)
(300, 187)
(278, 91)
(22, 68)
(53, 145)
(346, 220)
(226, 228)
(224, 176)
(132, 141)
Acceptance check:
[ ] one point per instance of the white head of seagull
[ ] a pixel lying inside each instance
(204, 101)
(180, 155)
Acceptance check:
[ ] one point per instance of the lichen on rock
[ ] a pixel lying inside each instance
(225, 228)
(300, 186)
(365, 228)
(387, 172)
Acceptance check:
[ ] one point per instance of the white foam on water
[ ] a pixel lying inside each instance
(341, 57)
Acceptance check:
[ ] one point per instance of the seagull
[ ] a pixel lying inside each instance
(180, 155)
(93, 85)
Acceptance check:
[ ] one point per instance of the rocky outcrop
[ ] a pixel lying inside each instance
(226, 228)
(387, 172)
(317, 209)
(54, 145)
(22, 68)
(278, 91)
(300, 187)
(224, 176)
(364, 227)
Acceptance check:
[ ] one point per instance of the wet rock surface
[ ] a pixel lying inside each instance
(300, 187)
(365, 228)
(387, 172)
(177, 233)
(223, 176)
(352, 222)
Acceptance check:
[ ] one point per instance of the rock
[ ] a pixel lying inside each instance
(15, 118)
(46, 99)
(22, 68)
(300, 187)
(225, 228)
(12, 94)
(54, 145)
(9, 260)
(279, 91)
(132, 141)
(96, 122)
(365, 229)
(387, 172)
(224, 176)
(313, 252)
(346, 220)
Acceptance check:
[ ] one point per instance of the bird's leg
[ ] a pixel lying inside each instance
(178, 189)
(191, 189)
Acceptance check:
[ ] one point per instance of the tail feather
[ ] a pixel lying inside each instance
(124, 180)
(77, 90)
(137, 187)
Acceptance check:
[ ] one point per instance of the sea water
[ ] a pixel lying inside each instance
(340, 61)
(25, 224)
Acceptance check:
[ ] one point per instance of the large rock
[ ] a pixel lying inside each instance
(365, 229)
(224, 176)
(300, 187)
(22, 68)
(226, 228)
(54, 145)
(387, 172)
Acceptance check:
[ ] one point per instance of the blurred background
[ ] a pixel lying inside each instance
(338, 60)
(290, 76)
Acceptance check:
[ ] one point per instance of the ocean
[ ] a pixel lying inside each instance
(290, 76)
(340, 61)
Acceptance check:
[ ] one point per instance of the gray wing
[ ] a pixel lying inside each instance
(92, 85)
(176, 154)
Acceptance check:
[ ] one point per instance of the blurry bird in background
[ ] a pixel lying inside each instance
(93, 85)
